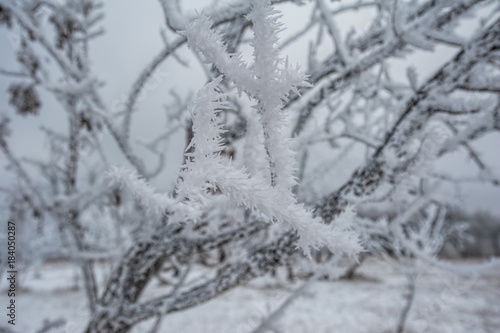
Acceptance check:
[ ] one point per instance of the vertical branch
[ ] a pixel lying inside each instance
(412, 287)
(70, 182)
(334, 32)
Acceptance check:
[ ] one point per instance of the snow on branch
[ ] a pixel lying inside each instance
(275, 82)
(202, 39)
(154, 202)
(268, 82)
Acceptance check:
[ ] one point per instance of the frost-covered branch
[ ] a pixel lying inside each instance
(375, 49)
(270, 322)
(241, 199)
(367, 179)
(334, 32)
(205, 171)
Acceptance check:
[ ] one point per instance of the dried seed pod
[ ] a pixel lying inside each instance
(24, 98)
(5, 17)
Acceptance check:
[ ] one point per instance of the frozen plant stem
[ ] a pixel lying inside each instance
(412, 287)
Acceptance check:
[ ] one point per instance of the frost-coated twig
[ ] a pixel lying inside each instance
(20, 170)
(259, 263)
(334, 32)
(27, 24)
(127, 282)
(326, 83)
(364, 181)
(141, 81)
(270, 321)
(177, 23)
(174, 292)
(268, 82)
(412, 287)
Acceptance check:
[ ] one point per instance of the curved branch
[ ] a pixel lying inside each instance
(366, 180)
(326, 85)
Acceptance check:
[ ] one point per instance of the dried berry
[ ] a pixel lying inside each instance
(5, 17)
(24, 98)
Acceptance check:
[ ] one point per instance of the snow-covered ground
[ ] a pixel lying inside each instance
(445, 302)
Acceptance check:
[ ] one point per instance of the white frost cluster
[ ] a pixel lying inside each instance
(268, 82)
(156, 203)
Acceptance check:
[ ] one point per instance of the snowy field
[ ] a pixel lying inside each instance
(445, 302)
